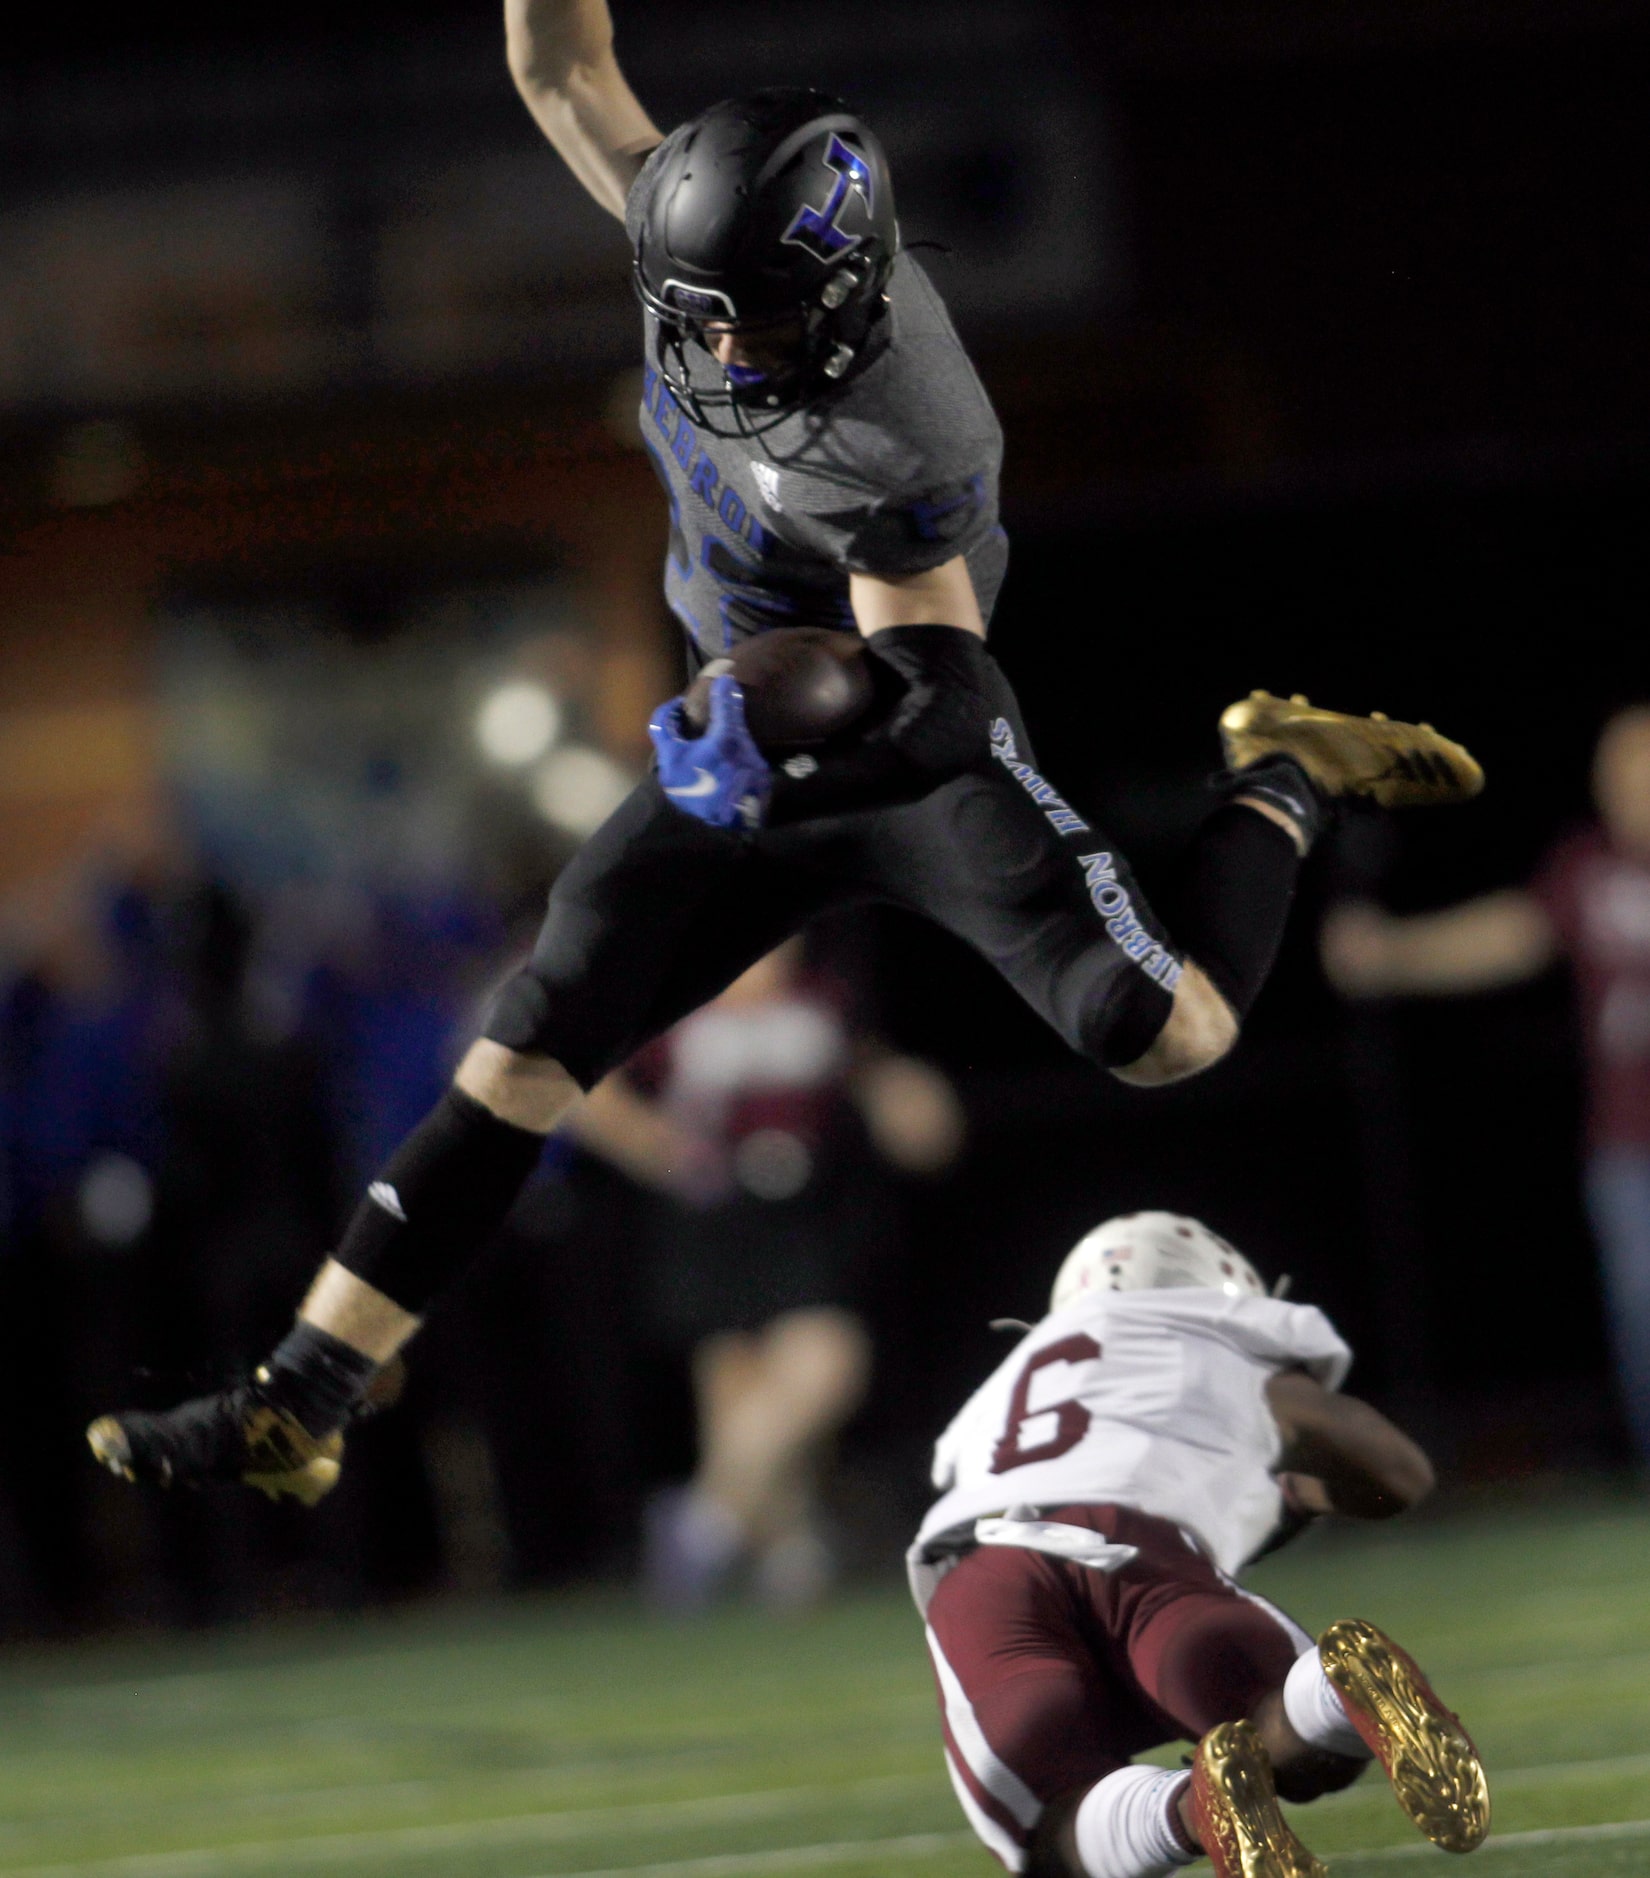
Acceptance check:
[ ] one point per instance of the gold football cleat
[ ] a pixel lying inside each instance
(1235, 1809)
(1400, 766)
(283, 1457)
(263, 1447)
(1429, 1758)
(110, 1448)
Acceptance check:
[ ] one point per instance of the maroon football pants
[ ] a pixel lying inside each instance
(1053, 1675)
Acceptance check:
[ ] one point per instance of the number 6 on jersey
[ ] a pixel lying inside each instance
(1071, 1418)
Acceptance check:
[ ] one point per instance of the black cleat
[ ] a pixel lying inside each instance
(236, 1435)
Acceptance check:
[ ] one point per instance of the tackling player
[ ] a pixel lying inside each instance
(830, 459)
(1163, 1424)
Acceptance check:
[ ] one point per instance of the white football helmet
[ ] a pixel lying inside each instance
(1154, 1252)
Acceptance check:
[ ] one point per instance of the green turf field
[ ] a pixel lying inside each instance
(572, 1737)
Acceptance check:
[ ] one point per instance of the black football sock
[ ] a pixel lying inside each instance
(1231, 899)
(317, 1377)
(447, 1189)
(1280, 781)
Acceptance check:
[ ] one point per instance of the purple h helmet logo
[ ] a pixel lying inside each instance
(816, 229)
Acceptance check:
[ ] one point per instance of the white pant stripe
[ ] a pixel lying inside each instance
(998, 1779)
(994, 1837)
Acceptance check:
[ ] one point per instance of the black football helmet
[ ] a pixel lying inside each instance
(769, 208)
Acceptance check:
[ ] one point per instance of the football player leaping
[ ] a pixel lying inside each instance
(1162, 1425)
(830, 459)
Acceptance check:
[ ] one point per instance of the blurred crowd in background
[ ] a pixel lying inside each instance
(197, 1083)
(330, 624)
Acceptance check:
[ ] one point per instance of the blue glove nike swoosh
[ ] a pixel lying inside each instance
(720, 776)
(704, 786)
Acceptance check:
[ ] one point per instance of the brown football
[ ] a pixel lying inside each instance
(802, 685)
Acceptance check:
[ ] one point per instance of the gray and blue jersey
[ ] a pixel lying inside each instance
(891, 473)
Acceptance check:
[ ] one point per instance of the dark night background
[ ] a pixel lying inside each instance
(1365, 414)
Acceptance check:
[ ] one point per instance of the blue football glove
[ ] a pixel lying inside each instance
(720, 776)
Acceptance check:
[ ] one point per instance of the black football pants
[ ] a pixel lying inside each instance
(657, 913)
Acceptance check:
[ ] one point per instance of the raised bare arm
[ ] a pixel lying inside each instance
(561, 57)
(1476, 946)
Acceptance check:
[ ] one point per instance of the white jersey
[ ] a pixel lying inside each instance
(1148, 1399)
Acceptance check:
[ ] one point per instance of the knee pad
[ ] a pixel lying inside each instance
(1127, 1023)
(519, 1015)
(527, 1015)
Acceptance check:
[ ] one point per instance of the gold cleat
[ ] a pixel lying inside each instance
(285, 1458)
(110, 1448)
(233, 1436)
(1235, 1809)
(1429, 1758)
(1400, 766)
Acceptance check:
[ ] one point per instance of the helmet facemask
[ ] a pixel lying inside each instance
(828, 339)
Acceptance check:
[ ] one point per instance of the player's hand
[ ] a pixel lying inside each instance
(1305, 1502)
(1304, 1495)
(1355, 950)
(720, 776)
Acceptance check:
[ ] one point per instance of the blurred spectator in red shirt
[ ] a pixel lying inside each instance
(765, 1124)
(1589, 903)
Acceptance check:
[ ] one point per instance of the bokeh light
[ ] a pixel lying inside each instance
(517, 723)
(577, 788)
